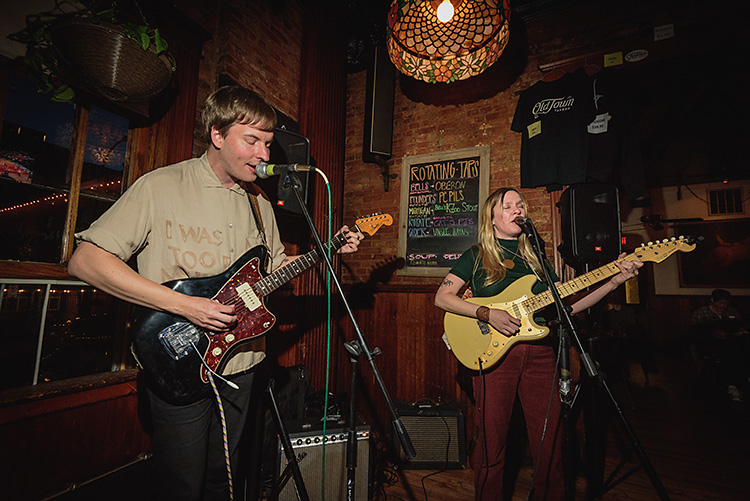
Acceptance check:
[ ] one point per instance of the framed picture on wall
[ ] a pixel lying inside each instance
(722, 259)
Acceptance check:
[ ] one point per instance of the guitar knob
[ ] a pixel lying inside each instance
(229, 338)
(216, 352)
(495, 344)
(651, 243)
(673, 239)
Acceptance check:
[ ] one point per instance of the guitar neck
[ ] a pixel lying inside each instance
(270, 283)
(544, 299)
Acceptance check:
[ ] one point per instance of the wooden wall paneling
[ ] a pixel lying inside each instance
(181, 117)
(322, 119)
(53, 443)
(168, 138)
(381, 331)
(414, 362)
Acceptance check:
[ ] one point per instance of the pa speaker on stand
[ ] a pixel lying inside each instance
(590, 223)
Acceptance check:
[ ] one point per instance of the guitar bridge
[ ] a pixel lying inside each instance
(179, 338)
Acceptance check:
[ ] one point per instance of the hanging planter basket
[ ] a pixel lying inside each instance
(102, 59)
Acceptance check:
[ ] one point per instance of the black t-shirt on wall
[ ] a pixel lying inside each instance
(553, 118)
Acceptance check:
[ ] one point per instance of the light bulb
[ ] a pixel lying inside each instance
(445, 11)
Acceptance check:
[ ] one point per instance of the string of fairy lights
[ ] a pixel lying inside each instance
(15, 290)
(57, 197)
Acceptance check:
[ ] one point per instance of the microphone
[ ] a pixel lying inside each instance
(526, 225)
(523, 222)
(265, 170)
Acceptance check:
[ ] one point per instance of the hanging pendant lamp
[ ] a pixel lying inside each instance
(424, 47)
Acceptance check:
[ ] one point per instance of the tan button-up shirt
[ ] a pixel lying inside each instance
(182, 223)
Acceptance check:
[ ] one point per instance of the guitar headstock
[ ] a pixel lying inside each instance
(371, 224)
(660, 250)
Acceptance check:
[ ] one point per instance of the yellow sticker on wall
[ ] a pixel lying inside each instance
(534, 129)
(612, 59)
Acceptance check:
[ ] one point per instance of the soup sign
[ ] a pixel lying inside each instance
(440, 198)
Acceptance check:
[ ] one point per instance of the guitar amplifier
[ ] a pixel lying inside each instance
(307, 442)
(438, 434)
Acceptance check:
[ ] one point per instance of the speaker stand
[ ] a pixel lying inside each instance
(292, 466)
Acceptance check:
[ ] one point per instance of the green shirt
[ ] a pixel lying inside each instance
(466, 270)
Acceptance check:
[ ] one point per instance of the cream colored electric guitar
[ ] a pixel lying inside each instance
(473, 341)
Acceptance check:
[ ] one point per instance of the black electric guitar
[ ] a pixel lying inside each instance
(176, 355)
(473, 341)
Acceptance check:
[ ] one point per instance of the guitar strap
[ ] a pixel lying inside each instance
(256, 215)
(255, 209)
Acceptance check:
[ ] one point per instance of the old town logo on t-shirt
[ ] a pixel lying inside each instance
(555, 104)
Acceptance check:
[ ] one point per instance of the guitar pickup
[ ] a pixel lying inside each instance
(248, 296)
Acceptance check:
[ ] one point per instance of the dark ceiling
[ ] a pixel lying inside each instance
(690, 108)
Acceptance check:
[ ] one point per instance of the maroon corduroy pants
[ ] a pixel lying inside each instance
(529, 370)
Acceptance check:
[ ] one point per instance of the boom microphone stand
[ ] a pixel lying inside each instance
(356, 349)
(566, 327)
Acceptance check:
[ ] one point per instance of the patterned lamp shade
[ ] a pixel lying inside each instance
(423, 47)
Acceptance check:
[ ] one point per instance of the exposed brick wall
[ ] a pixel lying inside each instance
(258, 45)
(418, 129)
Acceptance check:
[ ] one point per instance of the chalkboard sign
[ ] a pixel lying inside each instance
(441, 195)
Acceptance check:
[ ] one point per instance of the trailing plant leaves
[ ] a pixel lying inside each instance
(144, 40)
(63, 94)
(40, 58)
(160, 43)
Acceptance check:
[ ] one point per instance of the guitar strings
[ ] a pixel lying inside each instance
(236, 300)
(541, 300)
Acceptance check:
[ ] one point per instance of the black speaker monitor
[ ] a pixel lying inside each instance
(378, 134)
(290, 148)
(438, 434)
(590, 223)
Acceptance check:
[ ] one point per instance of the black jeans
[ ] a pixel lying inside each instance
(188, 445)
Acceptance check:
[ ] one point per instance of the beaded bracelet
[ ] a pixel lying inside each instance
(483, 314)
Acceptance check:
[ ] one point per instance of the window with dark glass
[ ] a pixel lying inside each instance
(36, 174)
(63, 328)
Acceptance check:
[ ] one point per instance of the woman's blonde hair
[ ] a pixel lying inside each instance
(491, 254)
